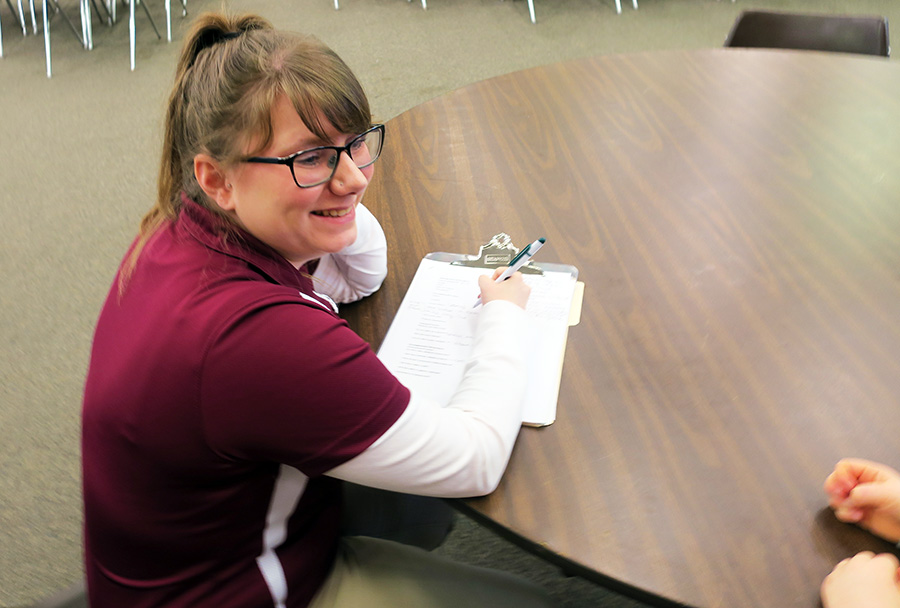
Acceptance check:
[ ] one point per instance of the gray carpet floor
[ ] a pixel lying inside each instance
(78, 157)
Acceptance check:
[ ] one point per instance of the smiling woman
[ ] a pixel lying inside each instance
(226, 402)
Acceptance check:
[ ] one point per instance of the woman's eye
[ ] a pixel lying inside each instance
(312, 158)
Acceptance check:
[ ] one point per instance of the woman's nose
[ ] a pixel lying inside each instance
(347, 176)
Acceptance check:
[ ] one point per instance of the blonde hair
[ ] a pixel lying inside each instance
(231, 71)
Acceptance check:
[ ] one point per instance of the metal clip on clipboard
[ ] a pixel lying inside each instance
(495, 253)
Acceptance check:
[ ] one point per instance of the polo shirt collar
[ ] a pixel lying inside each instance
(228, 239)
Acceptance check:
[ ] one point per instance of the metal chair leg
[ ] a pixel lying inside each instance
(150, 17)
(87, 26)
(74, 29)
(20, 15)
(47, 38)
(530, 10)
(85, 37)
(105, 9)
(34, 29)
(131, 30)
(88, 14)
(131, 26)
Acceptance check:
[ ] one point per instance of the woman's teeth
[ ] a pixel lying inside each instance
(333, 212)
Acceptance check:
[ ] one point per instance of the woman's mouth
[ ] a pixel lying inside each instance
(333, 212)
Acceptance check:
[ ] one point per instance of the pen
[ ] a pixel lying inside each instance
(517, 262)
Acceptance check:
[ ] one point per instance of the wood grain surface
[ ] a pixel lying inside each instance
(735, 217)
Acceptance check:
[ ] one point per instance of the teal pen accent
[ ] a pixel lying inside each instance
(520, 254)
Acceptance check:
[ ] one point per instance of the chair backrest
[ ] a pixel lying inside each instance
(837, 33)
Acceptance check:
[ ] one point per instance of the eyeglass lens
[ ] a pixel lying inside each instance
(318, 165)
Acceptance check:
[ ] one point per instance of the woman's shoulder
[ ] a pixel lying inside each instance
(211, 292)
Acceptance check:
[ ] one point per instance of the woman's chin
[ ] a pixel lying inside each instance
(340, 241)
(346, 239)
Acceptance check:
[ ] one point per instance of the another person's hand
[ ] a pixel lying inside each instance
(865, 580)
(512, 289)
(866, 493)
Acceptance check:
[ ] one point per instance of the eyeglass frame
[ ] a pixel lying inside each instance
(289, 160)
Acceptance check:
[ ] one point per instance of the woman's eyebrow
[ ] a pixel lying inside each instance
(343, 140)
(301, 145)
(311, 140)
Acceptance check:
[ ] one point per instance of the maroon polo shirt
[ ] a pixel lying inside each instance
(208, 374)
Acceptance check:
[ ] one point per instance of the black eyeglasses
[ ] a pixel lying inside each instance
(317, 165)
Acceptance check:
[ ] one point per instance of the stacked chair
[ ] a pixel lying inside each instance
(108, 10)
(85, 37)
(424, 4)
(20, 19)
(634, 3)
(619, 6)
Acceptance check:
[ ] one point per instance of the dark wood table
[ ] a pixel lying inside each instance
(735, 216)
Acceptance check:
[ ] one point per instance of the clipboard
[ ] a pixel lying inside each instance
(429, 340)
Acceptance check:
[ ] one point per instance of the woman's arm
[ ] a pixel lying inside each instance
(462, 449)
(290, 383)
(356, 271)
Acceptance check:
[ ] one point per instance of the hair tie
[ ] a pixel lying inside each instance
(209, 39)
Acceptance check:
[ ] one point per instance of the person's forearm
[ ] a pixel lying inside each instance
(461, 450)
(358, 270)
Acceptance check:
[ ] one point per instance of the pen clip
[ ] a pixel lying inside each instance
(520, 255)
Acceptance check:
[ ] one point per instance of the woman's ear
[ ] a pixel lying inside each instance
(213, 181)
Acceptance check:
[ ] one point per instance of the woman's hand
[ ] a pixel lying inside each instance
(512, 289)
(865, 580)
(866, 493)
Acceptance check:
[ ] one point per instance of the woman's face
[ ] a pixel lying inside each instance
(301, 224)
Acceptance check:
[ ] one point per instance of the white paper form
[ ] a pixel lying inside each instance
(431, 337)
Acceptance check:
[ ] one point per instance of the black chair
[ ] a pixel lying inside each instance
(836, 33)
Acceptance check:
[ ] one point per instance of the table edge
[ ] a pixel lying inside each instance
(568, 566)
